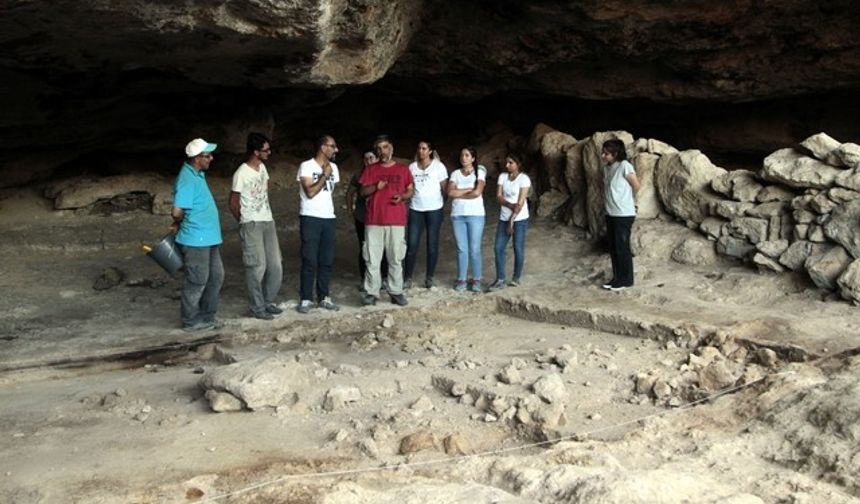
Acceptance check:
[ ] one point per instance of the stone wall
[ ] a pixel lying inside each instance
(799, 212)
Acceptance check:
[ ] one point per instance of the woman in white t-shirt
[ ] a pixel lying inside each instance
(511, 193)
(425, 211)
(620, 185)
(465, 188)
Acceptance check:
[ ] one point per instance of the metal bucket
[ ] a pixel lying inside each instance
(166, 253)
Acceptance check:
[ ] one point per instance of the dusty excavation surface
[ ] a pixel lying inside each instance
(701, 384)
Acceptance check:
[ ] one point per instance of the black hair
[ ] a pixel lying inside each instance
(616, 148)
(322, 141)
(380, 139)
(517, 158)
(474, 152)
(256, 141)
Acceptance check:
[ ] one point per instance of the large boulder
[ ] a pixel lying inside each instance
(593, 166)
(849, 282)
(683, 184)
(849, 179)
(826, 267)
(844, 227)
(820, 145)
(794, 169)
(648, 205)
(553, 150)
(259, 383)
(574, 175)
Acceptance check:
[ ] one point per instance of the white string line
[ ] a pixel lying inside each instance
(458, 458)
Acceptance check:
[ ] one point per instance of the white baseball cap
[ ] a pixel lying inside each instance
(199, 146)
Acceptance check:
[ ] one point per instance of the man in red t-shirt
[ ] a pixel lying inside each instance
(388, 186)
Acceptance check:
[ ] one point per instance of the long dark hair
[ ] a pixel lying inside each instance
(616, 148)
(474, 152)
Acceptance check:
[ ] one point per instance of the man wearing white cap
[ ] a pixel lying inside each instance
(199, 237)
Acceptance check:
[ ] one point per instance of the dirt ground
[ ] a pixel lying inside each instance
(102, 399)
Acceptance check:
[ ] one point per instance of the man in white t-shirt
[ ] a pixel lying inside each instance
(261, 252)
(317, 177)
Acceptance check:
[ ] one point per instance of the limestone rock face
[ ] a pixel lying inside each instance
(648, 205)
(553, 148)
(574, 175)
(593, 167)
(683, 183)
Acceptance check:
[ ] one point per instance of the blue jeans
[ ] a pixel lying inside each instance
(502, 238)
(432, 220)
(468, 230)
(317, 256)
(204, 275)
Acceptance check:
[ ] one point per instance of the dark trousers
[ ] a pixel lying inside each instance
(204, 274)
(618, 238)
(418, 221)
(362, 265)
(317, 256)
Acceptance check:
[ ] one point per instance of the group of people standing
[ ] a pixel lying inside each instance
(394, 206)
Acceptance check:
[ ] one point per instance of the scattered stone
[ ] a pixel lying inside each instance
(550, 388)
(388, 321)
(467, 400)
(109, 278)
(369, 448)
(418, 441)
(340, 436)
(595, 416)
(221, 402)
(456, 444)
(422, 405)
(715, 376)
(348, 370)
(510, 375)
(338, 397)
(766, 357)
(662, 389)
(259, 383)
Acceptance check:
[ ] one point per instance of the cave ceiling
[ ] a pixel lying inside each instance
(67, 66)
